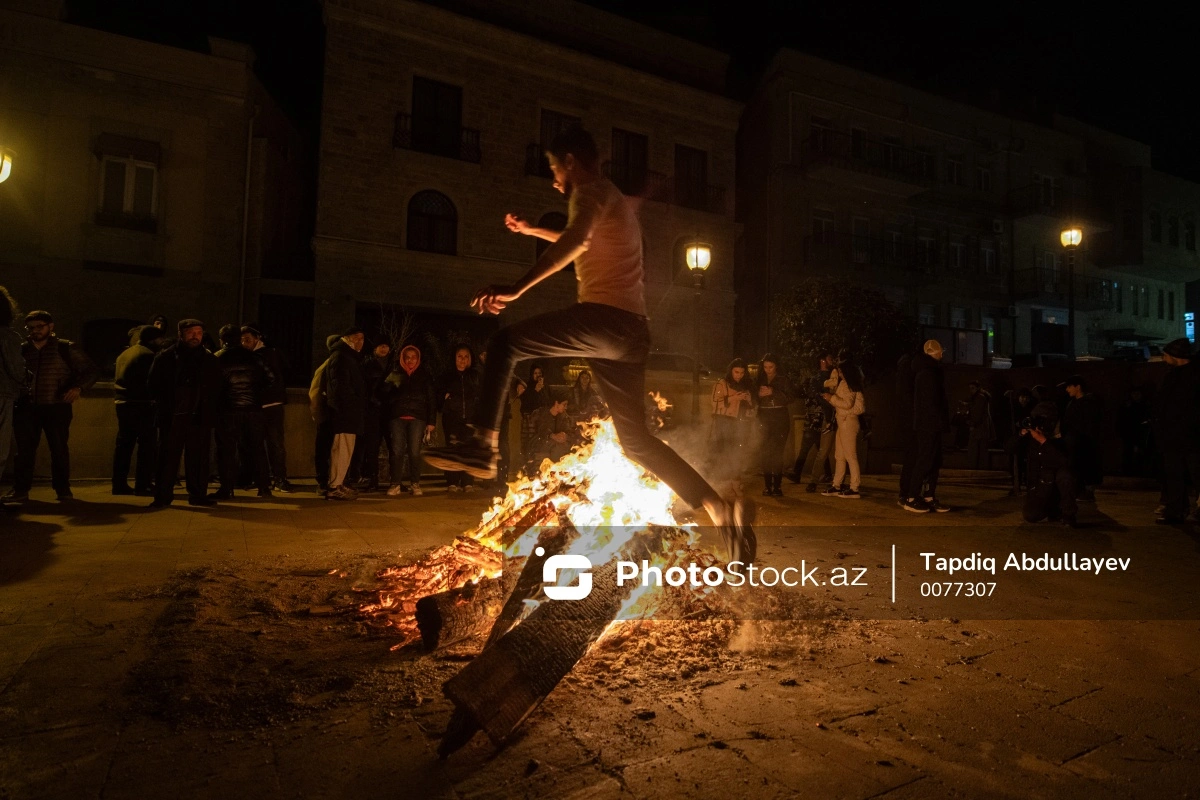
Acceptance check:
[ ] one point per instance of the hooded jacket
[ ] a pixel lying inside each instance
(245, 379)
(346, 389)
(133, 366)
(409, 394)
(456, 394)
(931, 411)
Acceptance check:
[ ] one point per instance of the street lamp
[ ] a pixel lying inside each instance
(1070, 238)
(6, 159)
(699, 257)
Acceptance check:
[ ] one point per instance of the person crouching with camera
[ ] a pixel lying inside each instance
(1054, 482)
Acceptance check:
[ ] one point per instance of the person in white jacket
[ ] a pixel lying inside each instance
(844, 393)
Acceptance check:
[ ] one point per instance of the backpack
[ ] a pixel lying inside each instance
(318, 400)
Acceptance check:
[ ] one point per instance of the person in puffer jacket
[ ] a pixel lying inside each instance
(844, 393)
(12, 371)
(409, 399)
(240, 424)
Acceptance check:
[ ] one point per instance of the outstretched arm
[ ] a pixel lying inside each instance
(518, 224)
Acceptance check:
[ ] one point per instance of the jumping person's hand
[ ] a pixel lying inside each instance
(493, 299)
(516, 223)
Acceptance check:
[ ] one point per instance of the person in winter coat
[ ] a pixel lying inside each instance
(346, 395)
(60, 371)
(818, 430)
(774, 393)
(241, 428)
(457, 391)
(556, 434)
(844, 391)
(733, 409)
(364, 470)
(12, 372)
(274, 403)
(135, 415)
(584, 402)
(979, 423)
(534, 396)
(930, 420)
(184, 383)
(1052, 493)
(409, 404)
(1177, 429)
(1083, 430)
(319, 409)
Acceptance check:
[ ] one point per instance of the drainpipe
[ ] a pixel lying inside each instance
(241, 304)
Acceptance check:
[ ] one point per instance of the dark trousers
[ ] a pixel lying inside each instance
(407, 436)
(775, 424)
(456, 430)
(30, 420)
(365, 464)
(926, 455)
(1052, 498)
(1178, 468)
(274, 434)
(183, 436)
(324, 449)
(242, 433)
(135, 428)
(616, 344)
(821, 441)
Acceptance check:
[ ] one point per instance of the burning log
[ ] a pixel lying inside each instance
(468, 612)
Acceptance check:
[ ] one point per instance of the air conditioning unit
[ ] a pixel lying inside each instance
(1013, 311)
(997, 226)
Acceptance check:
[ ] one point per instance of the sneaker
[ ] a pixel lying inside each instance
(794, 477)
(416, 490)
(221, 494)
(284, 487)
(832, 491)
(850, 494)
(475, 459)
(811, 488)
(65, 497)
(265, 493)
(14, 498)
(395, 490)
(934, 505)
(735, 519)
(454, 487)
(155, 504)
(915, 505)
(203, 502)
(341, 493)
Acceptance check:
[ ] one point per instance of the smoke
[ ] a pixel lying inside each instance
(718, 460)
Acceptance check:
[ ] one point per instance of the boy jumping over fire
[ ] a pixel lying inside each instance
(608, 326)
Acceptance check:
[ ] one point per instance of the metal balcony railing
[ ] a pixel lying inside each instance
(884, 159)
(427, 137)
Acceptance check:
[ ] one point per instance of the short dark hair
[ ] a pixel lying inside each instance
(577, 142)
(252, 328)
(38, 316)
(1076, 380)
(352, 330)
(229, 334)
(8, 308)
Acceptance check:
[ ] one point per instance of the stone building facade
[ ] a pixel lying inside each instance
(432, 130)
(129, 193)
(953, 211)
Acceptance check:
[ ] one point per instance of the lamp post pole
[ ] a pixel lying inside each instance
(1070, 238)
(698, 257)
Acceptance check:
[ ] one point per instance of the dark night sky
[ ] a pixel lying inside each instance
(1131, 72)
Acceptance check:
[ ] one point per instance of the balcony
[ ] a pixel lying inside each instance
(1059, 205)
(637, 181)
(700, 197)
(865, 163)
(840, 253)
(454, 142)
(1049, 287)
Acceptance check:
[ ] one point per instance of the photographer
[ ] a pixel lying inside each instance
(1052, 495)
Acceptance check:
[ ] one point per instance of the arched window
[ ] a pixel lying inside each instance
(432, 223)
(556, 222)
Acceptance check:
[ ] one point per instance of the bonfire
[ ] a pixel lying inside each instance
(483, 594)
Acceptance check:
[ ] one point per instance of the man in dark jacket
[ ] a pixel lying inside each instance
(364, 467)
(819, 429)
(1083, 429)
(245, 381)
(184, 383)
(1052, 495)
(135, 415)
(318, 407)
(457, 391)
(554, 435)
(409, 404)
(346, 395)
(274, 402)
(979, 424)
(930, 420)
(60, 372)
(1177, 429)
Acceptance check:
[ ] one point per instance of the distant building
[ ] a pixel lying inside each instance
(433, 127)
(145, 179)
(954, 213)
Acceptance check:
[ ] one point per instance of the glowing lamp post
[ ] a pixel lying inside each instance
(699, 257)
(1071, 238)
(6, 159)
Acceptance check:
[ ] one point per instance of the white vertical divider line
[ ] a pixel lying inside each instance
(893, 574)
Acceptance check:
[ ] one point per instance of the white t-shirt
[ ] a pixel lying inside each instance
(611, 270)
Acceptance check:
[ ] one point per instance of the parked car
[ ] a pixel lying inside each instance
(1143, 352)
